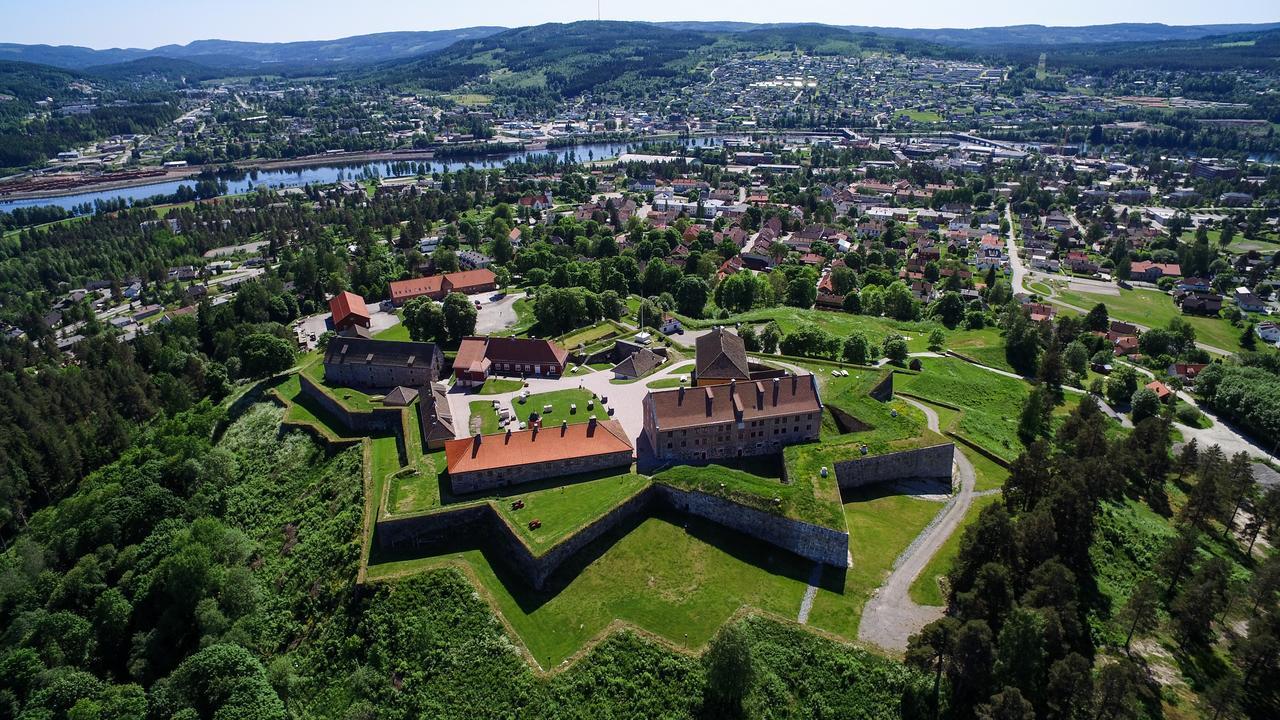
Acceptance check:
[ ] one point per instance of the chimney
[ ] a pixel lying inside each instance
(795, 382)
(564, 427)
(759, 395)
(777, 388)
(682, 392)
(591, 426)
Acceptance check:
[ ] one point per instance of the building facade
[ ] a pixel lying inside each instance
(739, 419)
(485, 462)
(364, 363)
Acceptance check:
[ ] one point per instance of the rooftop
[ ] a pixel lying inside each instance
(735, 402)
(536, 445)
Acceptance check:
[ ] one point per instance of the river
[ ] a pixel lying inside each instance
(326, 174)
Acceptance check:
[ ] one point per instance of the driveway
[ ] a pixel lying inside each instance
(891, 617)
(495, 315)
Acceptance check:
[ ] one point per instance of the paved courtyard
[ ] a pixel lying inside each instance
(624, 399)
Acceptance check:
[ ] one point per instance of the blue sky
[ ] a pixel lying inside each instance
(147, 23)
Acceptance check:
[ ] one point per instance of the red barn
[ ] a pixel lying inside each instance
(348, 309)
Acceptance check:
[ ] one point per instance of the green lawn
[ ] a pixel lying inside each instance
(680, 578)
(664, 383)
(499, 386)
(420, 490)
(990, 474)
(686, 369)
(881, 526)
(399, 331)
(925, 590)
(1153, 308)
(841, 324)
(588, 335)
(560, 402)
(488, 416)
(992, 403)
(567, 508)
(303, 409)
(985, 346)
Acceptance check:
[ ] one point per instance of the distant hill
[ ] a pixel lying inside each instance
(357, 50)
(559, 58)
(1014, 34)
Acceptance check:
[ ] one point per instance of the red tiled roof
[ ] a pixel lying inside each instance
(475, 353)
(406, 289)
(527, 447)
(347, 304)
(738, 401)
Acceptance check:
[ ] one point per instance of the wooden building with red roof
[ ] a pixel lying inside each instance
(348, 309)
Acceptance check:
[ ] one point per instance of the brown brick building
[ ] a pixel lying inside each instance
(738, 419)
(485, 462)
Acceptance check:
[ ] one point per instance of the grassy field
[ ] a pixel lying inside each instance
(664, 383)
(677, 577)
(990, 474)
(352, 398)
(991, 402)
(838, 323)
(305, 410)
(881, 526)
(564, 509)
(920, 116)
(925, 590)
(1153, 308)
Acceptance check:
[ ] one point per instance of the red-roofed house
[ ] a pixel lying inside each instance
(348, 309)
(437, 287)
(1161, 390)
(480, 357)
(1151, 271)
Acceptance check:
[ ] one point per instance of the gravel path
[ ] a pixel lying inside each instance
(810, 593)
(891, 616)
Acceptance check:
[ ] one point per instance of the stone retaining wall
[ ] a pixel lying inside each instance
(930, 462)
(816, 543)
(484, 523)
(375, 420)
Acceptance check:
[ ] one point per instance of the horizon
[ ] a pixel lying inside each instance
(100, 26)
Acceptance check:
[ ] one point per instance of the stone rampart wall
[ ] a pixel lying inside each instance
(814, 542)
(930, 462)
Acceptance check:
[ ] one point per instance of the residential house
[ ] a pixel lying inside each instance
(1269, 332)
(1148, 271)
(1247, 301)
